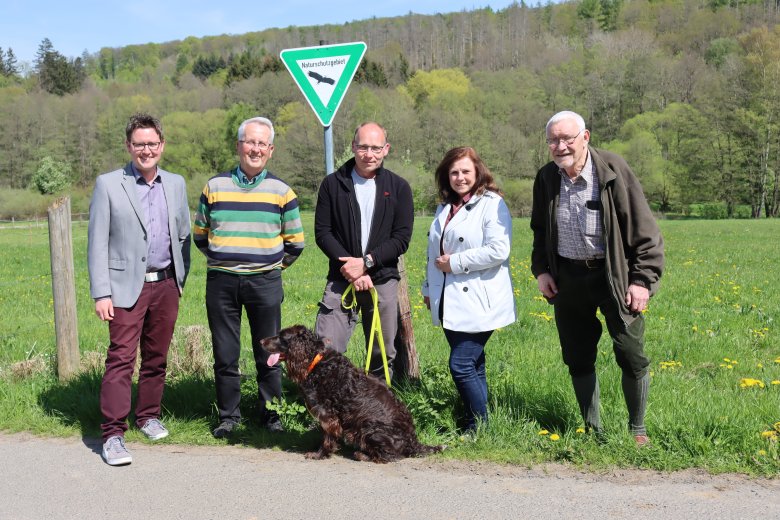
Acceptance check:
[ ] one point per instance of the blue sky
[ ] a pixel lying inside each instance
(77, 25)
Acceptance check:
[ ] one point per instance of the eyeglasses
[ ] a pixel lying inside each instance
(556, 141)
(364, 148)
(255, 144)
(139, 147)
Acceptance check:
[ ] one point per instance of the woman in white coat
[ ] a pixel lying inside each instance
(468, 287)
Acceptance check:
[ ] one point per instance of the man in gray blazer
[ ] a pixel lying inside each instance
(138, 255)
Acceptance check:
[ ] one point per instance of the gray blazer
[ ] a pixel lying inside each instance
(117, 247)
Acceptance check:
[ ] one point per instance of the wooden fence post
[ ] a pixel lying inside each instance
(63, 287)
(407, 364)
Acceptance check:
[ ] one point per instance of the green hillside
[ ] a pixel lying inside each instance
(687, 90)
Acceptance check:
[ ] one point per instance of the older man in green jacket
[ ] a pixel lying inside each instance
(596, 246)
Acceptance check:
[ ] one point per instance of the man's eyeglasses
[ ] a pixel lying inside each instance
(255, 144)
(139, 147)
(555, 142)
(364, 148)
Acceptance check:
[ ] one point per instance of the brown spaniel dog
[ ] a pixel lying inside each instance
(348, 404)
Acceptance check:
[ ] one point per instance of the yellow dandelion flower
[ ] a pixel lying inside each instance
(762, 452)
(747, 382)
(777, 426)
(555, 437)
(543, 432)
(776, 382)
(769, 434)
(580, 430)
(759, 365)
(695, 328)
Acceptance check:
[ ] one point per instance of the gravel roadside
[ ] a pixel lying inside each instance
(56, 478)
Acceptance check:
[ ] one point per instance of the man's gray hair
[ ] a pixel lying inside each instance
(564, 115)
(260, 121)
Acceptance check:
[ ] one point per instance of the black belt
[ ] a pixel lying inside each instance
(159, 276)
(588, 263)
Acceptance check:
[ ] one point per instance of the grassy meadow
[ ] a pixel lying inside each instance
(715, 350)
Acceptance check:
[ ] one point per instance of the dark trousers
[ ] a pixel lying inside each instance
(260, 295)
(581, 291)
(336, 323)
(150, 321)
(467, 367)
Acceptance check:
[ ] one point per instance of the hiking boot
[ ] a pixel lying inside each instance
(115, 453)
(225, 428)
(154, 430)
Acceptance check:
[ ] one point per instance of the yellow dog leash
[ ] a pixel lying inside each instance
(376, 326)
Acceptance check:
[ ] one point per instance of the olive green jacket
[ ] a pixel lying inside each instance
(634, 245)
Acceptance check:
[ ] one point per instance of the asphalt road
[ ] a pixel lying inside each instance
(67, 479)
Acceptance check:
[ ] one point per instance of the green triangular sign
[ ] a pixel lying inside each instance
(323, 74)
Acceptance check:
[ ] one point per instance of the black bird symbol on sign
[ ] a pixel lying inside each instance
(321, 79)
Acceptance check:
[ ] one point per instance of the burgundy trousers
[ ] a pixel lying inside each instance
(150, 321)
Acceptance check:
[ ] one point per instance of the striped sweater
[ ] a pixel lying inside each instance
(247, 229)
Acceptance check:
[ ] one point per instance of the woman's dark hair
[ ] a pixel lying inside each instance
(483, 182)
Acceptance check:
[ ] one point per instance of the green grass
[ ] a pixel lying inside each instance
(710, 327)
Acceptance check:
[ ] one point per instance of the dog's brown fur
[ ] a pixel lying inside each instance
(348, 404)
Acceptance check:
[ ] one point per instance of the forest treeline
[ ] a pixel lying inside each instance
(687, 90)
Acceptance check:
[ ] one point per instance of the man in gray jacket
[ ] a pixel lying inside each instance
(596, 246)
(138, 254)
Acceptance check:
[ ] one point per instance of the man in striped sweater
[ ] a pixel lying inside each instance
(249, 227)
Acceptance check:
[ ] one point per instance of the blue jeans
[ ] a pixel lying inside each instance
(467, 366)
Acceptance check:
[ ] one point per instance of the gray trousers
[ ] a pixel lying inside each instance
(336, 323)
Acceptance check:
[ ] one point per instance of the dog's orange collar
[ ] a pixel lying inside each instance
(313, 363)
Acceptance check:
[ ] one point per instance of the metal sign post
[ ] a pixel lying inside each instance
(328, 137)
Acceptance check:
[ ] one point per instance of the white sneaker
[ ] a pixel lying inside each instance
(154, 430)
(115, 453)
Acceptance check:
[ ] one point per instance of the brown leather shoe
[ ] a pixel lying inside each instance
(642, 440)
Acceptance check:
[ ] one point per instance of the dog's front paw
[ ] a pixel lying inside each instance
(362, 457)
(317, 455)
